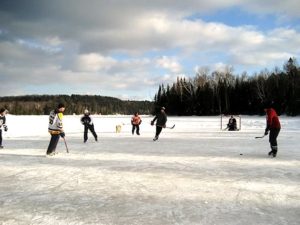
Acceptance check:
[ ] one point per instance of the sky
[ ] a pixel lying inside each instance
(126, 49)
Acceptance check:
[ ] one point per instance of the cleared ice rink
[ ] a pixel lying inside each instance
(194, 174)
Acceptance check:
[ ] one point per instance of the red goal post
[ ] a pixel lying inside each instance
(225, 118)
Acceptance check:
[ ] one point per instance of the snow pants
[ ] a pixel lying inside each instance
(86, 129)
(53, 143)
(158, 131)
(273, 138)
(137, 127)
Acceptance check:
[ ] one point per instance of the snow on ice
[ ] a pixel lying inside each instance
(194, 174)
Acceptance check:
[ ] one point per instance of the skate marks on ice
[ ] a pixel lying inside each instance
(134, 181)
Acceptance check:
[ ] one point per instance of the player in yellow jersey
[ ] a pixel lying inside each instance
(55, 128)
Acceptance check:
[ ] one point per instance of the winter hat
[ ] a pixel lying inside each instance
(60, 105)
(2, 110)
(163, 108)
(86, 111)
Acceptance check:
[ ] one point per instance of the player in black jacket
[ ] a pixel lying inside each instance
(161, 118)
(232, 124)
(87, 121)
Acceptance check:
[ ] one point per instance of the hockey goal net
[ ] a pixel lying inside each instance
(225, 120)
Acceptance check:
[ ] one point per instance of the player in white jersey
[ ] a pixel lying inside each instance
(2, 124)
(55, 128)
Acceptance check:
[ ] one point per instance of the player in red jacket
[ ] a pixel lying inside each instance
(273, 125)
(136, 121)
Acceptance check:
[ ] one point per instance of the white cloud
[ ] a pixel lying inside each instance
(220, 67)
(170, 64)
(94, 62)
(132, 45)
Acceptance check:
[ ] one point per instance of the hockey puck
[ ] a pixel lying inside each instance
(241, 154)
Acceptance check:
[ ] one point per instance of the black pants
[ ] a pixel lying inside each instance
(86, 129)
(53, 143)
(158, 131)
(0, 137)
(273, 138)
(231, 127)
(137, 129)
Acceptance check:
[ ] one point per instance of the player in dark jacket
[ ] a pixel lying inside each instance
(87, 121)
(273, 125)
(161, 118)
(2, 124)
(232, 124)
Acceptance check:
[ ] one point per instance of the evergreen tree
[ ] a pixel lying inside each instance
(222, 92)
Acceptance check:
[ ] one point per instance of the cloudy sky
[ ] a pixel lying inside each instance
(126, 48)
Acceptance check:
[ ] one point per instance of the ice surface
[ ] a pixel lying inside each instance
(194, 174)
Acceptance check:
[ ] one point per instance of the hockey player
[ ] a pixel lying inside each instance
(55, 128)
(136, 121)
(232, 124)
(2, 124)
(273, 125)
(161, 118)
(87, 121)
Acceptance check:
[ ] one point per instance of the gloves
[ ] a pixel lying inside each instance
(266, 132)
(62, 134)
(152, 123)
(5, 128)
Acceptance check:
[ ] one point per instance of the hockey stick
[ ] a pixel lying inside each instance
(167, 127)
(66, 145)
(171, 127)
(260, 136)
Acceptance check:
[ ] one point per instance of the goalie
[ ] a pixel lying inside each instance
(231, 126)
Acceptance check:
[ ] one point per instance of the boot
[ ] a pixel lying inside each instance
(274, 151)
(270, 153)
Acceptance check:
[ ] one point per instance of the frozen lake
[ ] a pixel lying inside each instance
(194, 174)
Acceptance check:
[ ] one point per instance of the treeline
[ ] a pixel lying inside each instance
(75, 104)
(225, 93)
